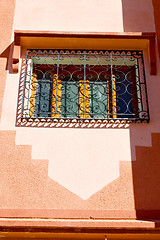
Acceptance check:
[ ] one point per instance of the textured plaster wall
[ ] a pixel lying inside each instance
(83, 161)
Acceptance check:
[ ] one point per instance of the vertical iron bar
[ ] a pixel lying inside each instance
(112, 85)
(92, 111)
(139, 81)
(30, 83)
(65, 100)
(85, 82)
(57, 80)
(24, 83)
(144, 76)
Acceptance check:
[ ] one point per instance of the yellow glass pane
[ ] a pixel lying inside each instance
(114, 100)
(33, 95)
(84, 99)
(56, 97)
(108, 98)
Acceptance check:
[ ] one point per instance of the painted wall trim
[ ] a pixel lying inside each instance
(73, 226)
(123, 35)
(79, 214)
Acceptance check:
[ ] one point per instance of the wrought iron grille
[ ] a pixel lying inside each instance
(70, 84)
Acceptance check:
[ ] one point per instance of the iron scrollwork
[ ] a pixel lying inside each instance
(84, 85)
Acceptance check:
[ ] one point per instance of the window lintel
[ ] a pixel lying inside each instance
(81, 40)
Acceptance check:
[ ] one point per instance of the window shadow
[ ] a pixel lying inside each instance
(138, 17)
(146, 177)
(7, 53)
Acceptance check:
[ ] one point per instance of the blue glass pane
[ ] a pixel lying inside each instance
(124, 95)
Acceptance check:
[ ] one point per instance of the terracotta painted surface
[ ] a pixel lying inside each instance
(79, 169)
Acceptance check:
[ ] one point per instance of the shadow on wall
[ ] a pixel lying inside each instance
(136, 14)
(7, 53)
(138, 17)
(156, 6)
(146, 179)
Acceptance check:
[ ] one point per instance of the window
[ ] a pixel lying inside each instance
(70, 84)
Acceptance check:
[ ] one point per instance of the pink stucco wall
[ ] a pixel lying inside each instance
(84, 161)
(72, 15)
(91, 16)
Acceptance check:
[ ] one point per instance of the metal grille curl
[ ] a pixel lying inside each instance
(64, 84)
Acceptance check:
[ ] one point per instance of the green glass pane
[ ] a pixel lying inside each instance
(69, 99)
(42, 100)
(98, 99)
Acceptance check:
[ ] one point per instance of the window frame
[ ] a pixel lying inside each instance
(145, 118)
